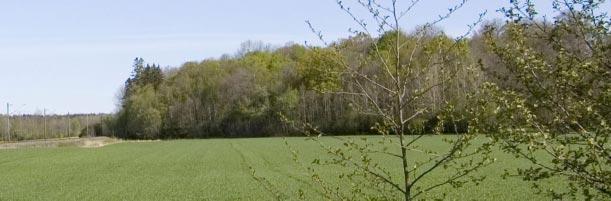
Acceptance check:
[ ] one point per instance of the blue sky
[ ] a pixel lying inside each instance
(74, 55)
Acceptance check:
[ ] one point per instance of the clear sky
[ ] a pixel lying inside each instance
(74, 55)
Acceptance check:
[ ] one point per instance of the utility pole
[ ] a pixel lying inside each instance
(68, 133)
(87, 124)
(44, 117)
(8, 121)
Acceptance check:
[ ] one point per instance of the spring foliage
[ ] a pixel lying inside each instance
(552, 94)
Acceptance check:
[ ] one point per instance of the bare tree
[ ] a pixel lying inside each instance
(403, 81)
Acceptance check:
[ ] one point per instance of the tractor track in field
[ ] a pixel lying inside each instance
(275, 169)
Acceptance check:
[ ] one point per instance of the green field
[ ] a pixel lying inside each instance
(215, 169)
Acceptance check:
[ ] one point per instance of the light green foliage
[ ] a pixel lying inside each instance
(144, 113)
(210, 170)
(246, 95)
(234, 97)
(319, 70)
(412, 85)
(554, 95)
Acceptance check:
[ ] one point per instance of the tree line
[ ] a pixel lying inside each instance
(247, 95)
(38, 126)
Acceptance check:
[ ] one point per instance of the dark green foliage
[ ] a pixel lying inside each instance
(143, 75)
(447, 125)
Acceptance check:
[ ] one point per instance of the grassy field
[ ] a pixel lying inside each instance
(215, 169)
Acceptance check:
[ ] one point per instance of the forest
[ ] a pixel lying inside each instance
(249, 93)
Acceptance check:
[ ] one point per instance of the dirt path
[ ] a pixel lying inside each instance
(64, 142)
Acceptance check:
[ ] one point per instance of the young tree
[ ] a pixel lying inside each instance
(403, 80)
(553, 108)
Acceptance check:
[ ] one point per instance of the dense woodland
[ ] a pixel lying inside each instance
(248, 94)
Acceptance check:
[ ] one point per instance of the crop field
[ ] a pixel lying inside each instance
(215, 169)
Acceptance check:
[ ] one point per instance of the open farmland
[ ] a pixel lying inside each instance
(215, 169)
